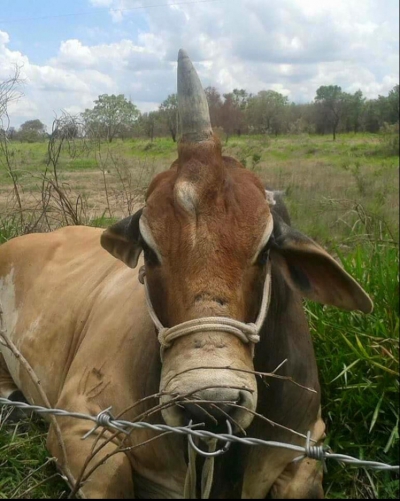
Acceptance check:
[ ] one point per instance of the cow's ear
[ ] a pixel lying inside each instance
(310, 270)
(122, 240)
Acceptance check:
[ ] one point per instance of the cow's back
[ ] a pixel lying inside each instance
(66, 301)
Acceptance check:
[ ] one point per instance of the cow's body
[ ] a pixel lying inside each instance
(225, 276)
(93, 345)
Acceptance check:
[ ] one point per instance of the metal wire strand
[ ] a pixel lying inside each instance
(105, 419)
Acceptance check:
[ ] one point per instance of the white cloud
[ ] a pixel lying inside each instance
(292, 46)
(4, 38)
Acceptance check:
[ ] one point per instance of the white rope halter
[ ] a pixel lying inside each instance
(247, 333)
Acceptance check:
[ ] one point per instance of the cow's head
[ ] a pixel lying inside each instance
(208, 237)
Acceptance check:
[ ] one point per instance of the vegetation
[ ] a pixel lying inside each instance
(342, 194)
(111, 116)
(269, 113)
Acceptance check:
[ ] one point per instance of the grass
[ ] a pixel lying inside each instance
(343, 194)
(26, 471)
(358, 360)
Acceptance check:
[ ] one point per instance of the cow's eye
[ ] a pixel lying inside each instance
(263, 256)
(150, 256)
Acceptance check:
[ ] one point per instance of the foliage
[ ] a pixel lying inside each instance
(32, 131)
(169, 114)
(147, 124)
(331, 101)
(111, 116)
(267, 112)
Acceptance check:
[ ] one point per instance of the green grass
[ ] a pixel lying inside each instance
(358, 361)
(26, 471)
(343, 194)
(81, 164)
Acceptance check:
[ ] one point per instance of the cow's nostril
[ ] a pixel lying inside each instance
(212, 407)
(208, 413)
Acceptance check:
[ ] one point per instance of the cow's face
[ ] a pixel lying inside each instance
(206, 232)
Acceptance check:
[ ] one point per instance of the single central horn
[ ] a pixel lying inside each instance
(194, 115)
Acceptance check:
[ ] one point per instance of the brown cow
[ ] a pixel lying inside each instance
(225, 275)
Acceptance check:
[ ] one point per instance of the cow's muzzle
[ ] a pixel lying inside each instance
(214, 408)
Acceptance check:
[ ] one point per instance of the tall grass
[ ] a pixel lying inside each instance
(358, 361)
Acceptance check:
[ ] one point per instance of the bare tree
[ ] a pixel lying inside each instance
(9, 92)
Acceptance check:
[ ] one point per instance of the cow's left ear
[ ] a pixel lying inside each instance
(122, 240)
(310, 270)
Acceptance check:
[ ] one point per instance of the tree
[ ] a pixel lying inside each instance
(169, 114)
(353, 107)
(393, 105)
(148, 122)
(9, 92)
(110, 116)
(330, 100)
(389, 107)
(32, 131)
(371, 120)
(233, 111)
(11, 133)
(214, 105)
(267, 111)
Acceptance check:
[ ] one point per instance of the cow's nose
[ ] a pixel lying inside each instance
(213, 407)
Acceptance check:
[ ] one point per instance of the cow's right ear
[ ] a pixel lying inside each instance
(122, 240)
(311, 271)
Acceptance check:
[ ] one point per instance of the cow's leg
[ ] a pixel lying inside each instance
(7, 385)
(111, 480)
(9, 390)
(301, 480)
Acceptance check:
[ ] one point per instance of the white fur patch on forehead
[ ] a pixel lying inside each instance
(148, 237)
(186, 195)
(265, 237)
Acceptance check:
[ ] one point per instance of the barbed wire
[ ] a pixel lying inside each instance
(106, 420)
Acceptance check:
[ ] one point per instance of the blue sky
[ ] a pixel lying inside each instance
(71, 52)
(37, 27)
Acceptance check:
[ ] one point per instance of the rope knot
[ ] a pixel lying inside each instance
(162, 338)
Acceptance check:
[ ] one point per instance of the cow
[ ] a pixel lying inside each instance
(169, 316)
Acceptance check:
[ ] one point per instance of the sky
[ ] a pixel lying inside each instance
(70, 52)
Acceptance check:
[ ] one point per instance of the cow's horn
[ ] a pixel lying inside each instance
(194, 115)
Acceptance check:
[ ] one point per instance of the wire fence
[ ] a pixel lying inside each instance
(106, 420)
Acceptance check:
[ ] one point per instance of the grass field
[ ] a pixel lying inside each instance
(343, 194)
